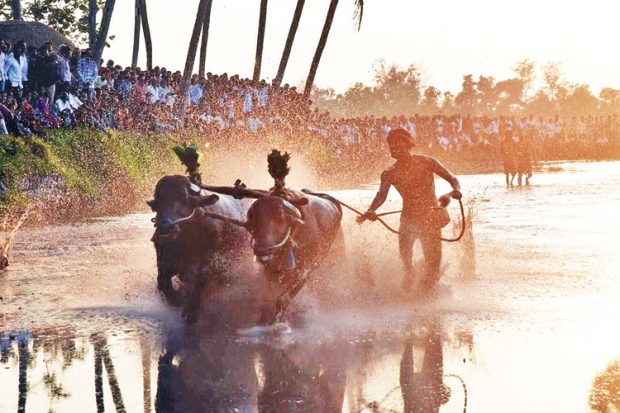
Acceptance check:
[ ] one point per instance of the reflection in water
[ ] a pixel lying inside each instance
(424, 391)
(222, 373)
(605, 393)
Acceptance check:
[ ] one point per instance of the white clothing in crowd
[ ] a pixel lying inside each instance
(62, 105)
(14, 70)
(254, 124)
(262, 95)
(195, 94)
(247, 102)
(2, 60)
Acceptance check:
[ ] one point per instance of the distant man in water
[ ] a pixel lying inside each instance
(413, 178)
(507, 148)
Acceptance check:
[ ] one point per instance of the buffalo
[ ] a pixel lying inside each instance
(292, 235)
(196, 248)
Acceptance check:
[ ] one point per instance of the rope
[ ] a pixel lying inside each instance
(445, 376)
(456, 376)
(392, 230)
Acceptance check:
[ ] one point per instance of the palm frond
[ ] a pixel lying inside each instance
(359, 13)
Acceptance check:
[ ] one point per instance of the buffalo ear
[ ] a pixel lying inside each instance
(299, 201)
(152, 204)
(203, 201)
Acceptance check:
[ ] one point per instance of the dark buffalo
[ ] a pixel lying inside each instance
(291, 237)
(189, 244)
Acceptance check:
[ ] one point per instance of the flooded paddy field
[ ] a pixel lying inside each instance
(533, 329)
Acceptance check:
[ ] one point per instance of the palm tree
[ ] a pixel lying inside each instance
(93, 8)
(148, 43)
(289, 42)
(205, 38)
(262, 20)
(16, 7)
(141, 20)
(104, 27)
(24, 358)
(136, 34)
(359, 14)
(191, 58)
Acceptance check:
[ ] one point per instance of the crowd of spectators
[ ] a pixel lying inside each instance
(43, 88)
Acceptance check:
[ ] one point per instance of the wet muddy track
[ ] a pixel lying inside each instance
(82, 327)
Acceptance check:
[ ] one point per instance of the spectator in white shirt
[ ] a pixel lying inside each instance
(62, 104)
(14, 67)
(152, 91)
(195, 91)
(3, 51)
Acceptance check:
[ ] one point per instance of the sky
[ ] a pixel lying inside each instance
(444, 38)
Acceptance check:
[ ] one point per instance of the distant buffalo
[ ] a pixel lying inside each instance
(189, 244)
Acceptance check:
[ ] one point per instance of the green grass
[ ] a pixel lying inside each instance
(91, 162)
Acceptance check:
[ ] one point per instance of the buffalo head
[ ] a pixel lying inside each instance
(272, 221)
(175, 203)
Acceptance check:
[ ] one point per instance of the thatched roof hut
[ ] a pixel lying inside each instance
(33, 33)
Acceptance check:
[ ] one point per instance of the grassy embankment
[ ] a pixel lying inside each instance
(85, 173)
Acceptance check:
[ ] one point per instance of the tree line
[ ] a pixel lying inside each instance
(401, 91)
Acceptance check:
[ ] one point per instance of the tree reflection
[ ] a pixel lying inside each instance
(605, 393)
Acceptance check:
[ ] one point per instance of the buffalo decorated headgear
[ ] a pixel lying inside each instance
(278, 169)
(400, 135)
(189, 156)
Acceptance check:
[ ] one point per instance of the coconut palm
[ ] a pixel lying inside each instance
(104, 27)
(359, 13)
(16, 8)
(141, 21)
(289, 42)
(136, 34)
(205, 38)
(262, 20)
(93, 8)
(191, 58)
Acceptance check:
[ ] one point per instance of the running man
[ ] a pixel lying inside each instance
(413, 178)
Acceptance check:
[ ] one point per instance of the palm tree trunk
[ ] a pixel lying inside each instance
(205, 38)
(136, 34)
(97, 345)
(117, 396)
(320, 47)
(24, 357)
(104, 27)
(289, 41)
(148, 42)
(16, 7)
(92, 24)
(189, 62)
(146, 375)
(262, 20)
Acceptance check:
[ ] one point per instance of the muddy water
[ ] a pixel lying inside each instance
(533, 329)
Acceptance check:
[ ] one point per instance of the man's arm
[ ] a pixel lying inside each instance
(440, 170)
(380, 198)
(382, 193)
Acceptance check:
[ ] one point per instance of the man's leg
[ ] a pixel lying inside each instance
(431, 246)
(406, 238)
(51, 93)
